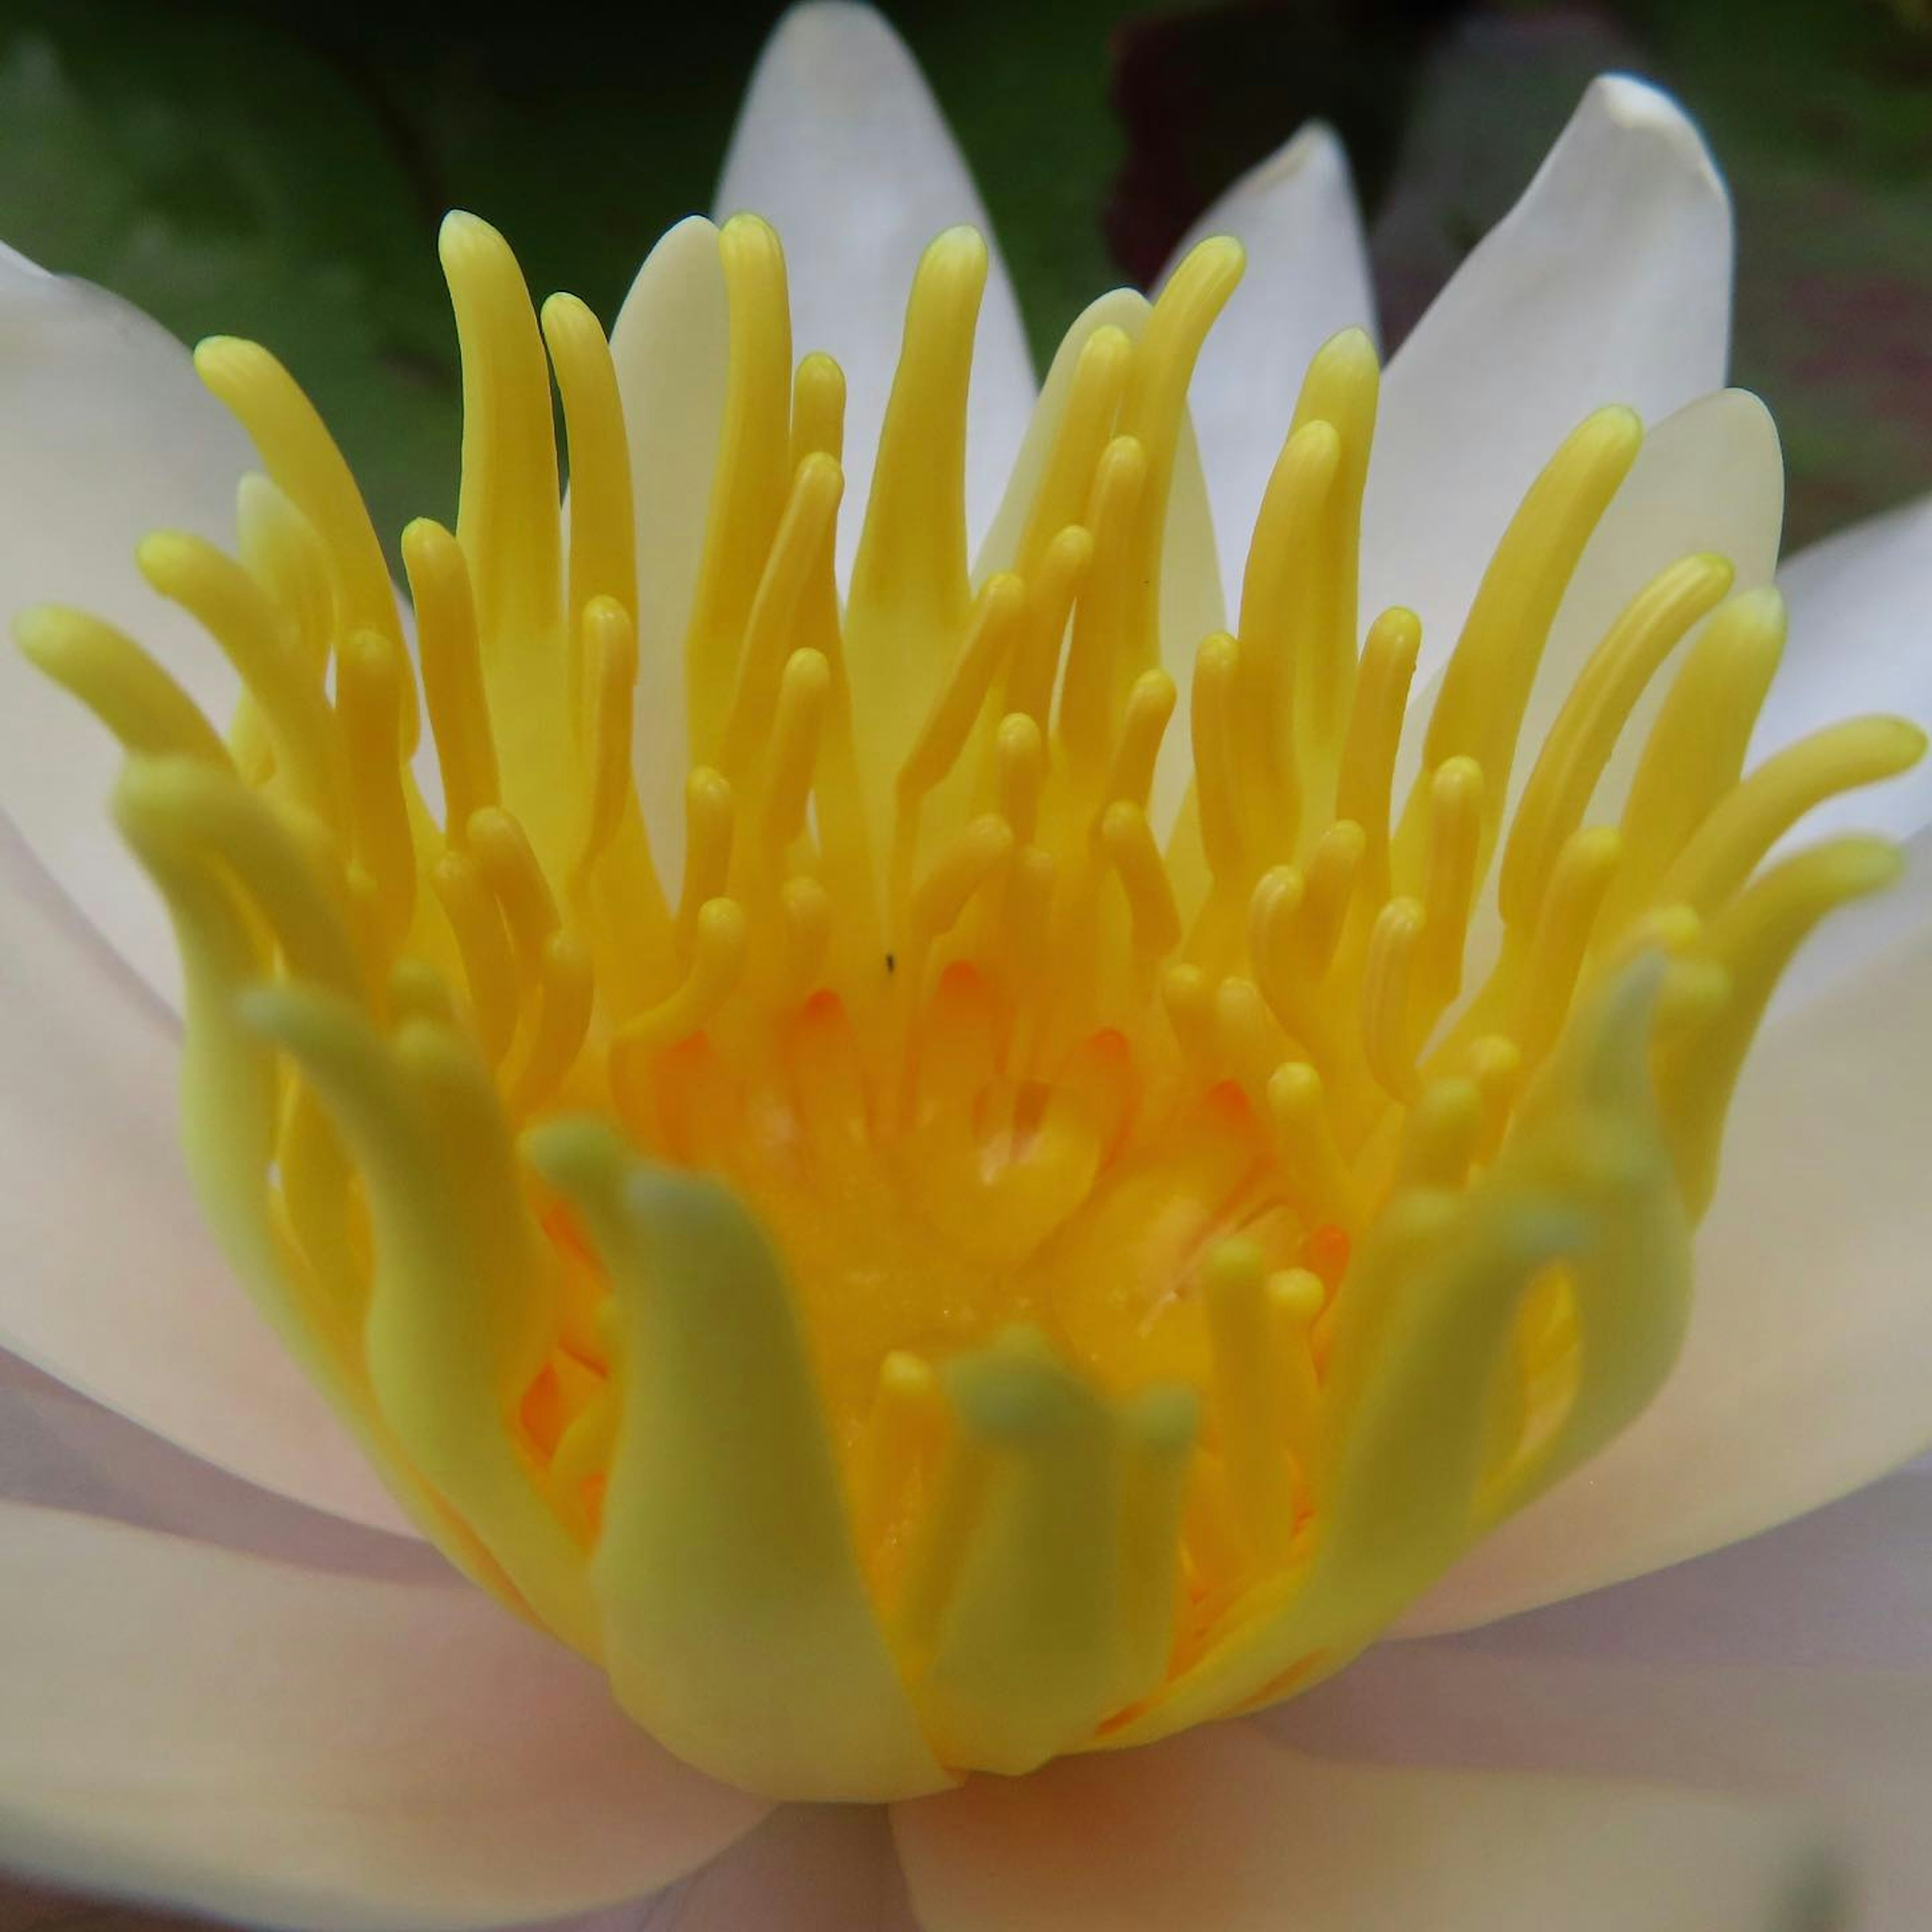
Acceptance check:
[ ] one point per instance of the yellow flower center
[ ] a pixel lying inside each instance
(1144, 1258)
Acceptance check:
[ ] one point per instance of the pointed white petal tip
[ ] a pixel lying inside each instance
(1620, 104)
(820, 30)
(1313, 148)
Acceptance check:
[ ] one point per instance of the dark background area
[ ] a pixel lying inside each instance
(278, 170)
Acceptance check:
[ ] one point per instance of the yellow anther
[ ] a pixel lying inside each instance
(1367, 766)
(1019, 770)
(1577, 884)
(1579, 747)
(1494, 1064)
(717, 963)
(603, 554)
(1051, 591)
(710, 815)
(1247, 1039)
(1093, 405)
(818, 409)
(1342, 388)
(1153, 411)
(991, 635)
(303, 459)
(1390, 980)
(1187, 996)
(909, 589)
(284, 555)
(1280, 596)
(1149, 706)
(805, 908)
(1440, 1136)
(1159, 1428)
(1697, 748)
(1099, 665)
(753, 477)
(1130, 847)
(803, 694)
(1752, 940)
(368, 678)
(417, 991)
(1485, 687)
(511, 869)
(1449, 876)
(905, 1437)
(1334, 867)
(961, 868)
(610, 655)
(260, 642)
(1217, 692)
(1025, 925)
(1274, 912)
(204, 813)
(1750, 819)
(774, 628)
(565, 989)
(119, 683)
(483, 943)
(452, 671)
(1248, 1397)
(506, 517)
(1318, 1175)
(1294, 1302)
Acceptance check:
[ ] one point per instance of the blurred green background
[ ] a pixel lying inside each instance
(278, 170)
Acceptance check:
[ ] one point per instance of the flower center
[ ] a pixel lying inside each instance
(1146, 1253)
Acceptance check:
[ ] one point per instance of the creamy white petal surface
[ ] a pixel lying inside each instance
(807, 1868)
(59, 1451)
(1797, 1666)
(1306, 278)
(1609, 282)
(1223, 1828)
(112, 1283)
(110, 434)
(1860, 640)
(1807, 1370)
(670, 345)
(841, 146)
(295, 1749)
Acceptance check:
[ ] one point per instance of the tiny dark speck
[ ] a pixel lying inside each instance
(891, 964)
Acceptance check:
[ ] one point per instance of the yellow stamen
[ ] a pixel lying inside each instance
(987, 1274)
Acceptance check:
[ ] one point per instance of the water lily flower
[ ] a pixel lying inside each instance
(963, 1082)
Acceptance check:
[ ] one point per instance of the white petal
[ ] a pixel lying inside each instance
(1608, 282)
(670, 346)
(110, 434)
(1860, 640)
(1221, 1828)
(841, 147)
(807, 1868)
(280, 1747)
(1307, 278)
(58, 1451)
(1807, 1370)
(112, 1283)
(1848, 1586)
(1797, 1667)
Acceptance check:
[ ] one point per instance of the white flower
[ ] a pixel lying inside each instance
(256, 1704)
